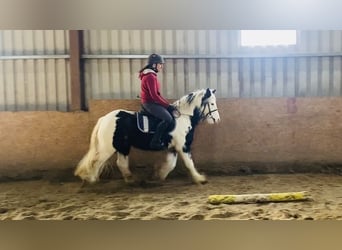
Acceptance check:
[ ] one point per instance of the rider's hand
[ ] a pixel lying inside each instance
(171, 108)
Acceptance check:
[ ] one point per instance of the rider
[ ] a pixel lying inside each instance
(153, 101)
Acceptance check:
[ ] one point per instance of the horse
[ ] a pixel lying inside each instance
(117, 131)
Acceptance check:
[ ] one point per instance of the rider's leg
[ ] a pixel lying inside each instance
(166, 120)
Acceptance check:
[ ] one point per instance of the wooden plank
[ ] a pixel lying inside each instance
(77, 83)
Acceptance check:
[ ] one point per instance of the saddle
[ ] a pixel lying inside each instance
(146, 122)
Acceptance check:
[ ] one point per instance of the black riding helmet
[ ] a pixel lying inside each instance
(152, 62)
(154, 59)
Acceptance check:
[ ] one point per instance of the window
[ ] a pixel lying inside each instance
(268, 37)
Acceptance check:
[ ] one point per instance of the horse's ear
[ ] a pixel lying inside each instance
(214, 91)
(207, 94)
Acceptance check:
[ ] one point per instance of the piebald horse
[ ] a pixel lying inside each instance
(117, 131)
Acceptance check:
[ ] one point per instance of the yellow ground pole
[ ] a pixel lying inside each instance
(258, 198)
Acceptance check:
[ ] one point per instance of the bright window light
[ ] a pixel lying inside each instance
(268, 37)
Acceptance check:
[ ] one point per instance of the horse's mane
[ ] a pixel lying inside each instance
(190, 99)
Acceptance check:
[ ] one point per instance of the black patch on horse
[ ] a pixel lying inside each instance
(128, 134)
(190, 97)
(195, 119)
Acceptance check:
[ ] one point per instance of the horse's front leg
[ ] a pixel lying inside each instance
(123, 164)
(167, 166)
(197, 177)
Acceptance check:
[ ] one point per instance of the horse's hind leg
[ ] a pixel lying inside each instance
(92, 174)
(167, 166)
(123, 165)
(101, 158)
(100, 149)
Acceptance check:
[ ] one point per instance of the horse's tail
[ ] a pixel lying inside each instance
(85, 165)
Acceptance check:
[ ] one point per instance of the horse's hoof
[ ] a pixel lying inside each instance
(129, 180)
(151, 184)
(201, 180)
(84, 184)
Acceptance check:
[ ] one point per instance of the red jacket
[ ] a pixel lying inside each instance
(150, 88)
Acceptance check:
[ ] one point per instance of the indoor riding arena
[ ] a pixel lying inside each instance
(276, 153)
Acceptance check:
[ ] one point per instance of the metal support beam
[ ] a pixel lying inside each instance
(34, 57)
(76, 71)
(231, 56)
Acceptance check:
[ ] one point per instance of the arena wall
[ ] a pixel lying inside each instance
(254, 136)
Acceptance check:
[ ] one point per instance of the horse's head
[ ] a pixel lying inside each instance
(201, 103)
(209, 110)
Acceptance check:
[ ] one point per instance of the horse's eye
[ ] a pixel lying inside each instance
(212, 104)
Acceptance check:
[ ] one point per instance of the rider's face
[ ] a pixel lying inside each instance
(160, 66)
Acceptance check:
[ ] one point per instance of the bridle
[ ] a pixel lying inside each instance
(203, 116)
(209, 114)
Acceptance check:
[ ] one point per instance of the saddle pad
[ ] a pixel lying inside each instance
(145, 124)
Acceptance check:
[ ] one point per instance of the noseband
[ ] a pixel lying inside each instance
(209, 114)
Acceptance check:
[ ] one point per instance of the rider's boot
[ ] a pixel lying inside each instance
(156, 142)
